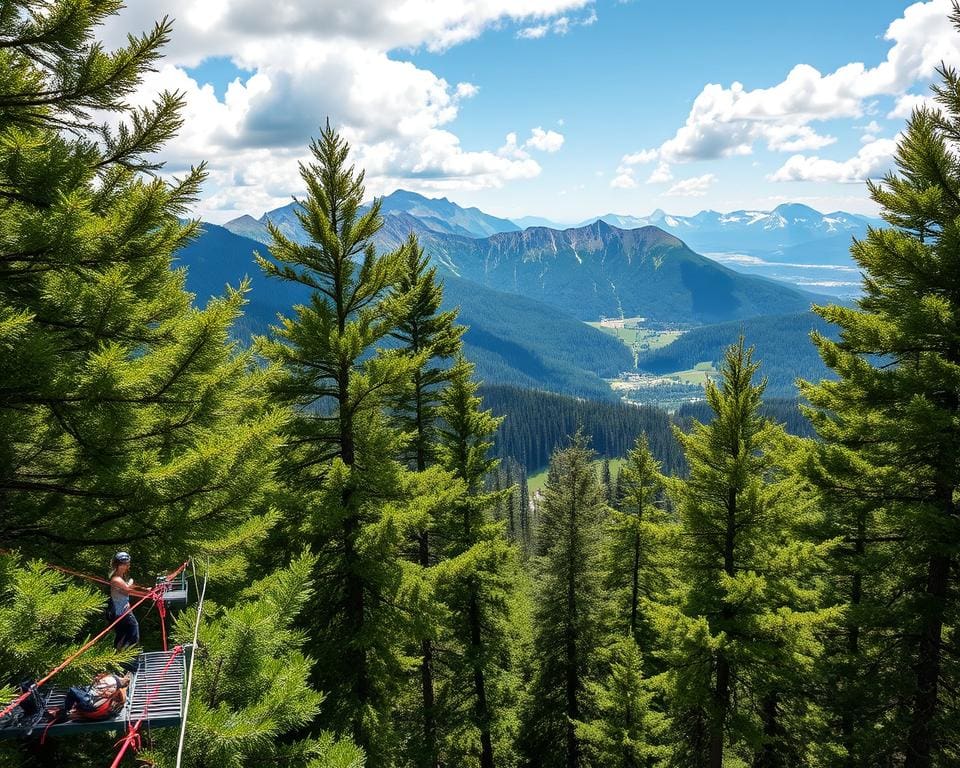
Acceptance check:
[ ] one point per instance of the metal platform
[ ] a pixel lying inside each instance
(166, 708)
(177, 592)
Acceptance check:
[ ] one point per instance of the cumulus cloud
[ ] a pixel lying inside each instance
(872, 161)
(623, 181)
(639, 158)
(625, 176)
(696, 186)
(732, 121)
(660, 175)
(545, 141)
(904, 105)
(314, 60)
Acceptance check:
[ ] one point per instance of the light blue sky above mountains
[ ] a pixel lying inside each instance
(558, 108)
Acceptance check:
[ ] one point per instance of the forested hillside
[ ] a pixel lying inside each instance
(536, 422)
(511, 339)
(310, 538)
(782, 345)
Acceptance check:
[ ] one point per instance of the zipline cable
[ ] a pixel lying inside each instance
(153, 593)
(193, 657)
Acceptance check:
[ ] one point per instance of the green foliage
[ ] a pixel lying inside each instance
(744, 637)
(429, 337)
(638, 566)
(126, 417)
(888, 460)
(568, 618)
(627, 732)
(344, 489)
(479, 581)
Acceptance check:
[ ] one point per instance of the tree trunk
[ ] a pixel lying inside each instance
(721, 695)
(922, 737)
(573, 680)
(848, 723)
(426, 676)
(356, 655)
(721, 698)
(479, 685)
(635, 590)
(769, 756)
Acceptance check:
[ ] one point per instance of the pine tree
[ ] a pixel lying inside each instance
(430, 338)
(126, 417)
(627, 732)
(569, 610)
(638, 565)
(607, 479)
(891, 441)
(478, 580)
(745, 635)
(343, 482)
(250, 683)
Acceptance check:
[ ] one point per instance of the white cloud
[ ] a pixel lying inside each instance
(545, 141)
(794, 138)
(872, 161)
(906, 103)
(661, 174)
(625, 176)
(322, 58)
(696, 186)
(533, 33)
(731, 121)
(639, 158)
(224, 27)
(559, 26)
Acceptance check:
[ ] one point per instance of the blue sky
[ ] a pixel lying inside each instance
(558, 108)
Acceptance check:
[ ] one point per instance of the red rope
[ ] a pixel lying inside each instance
(158, 590)
(162, 613)
(79, 575)
(132, 739)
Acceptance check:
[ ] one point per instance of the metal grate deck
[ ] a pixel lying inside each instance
(166, 708)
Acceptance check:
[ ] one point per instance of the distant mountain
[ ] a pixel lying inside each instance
(538, 221)
(762, 233)
(441, 215)
(602, 270)
(512, 339)
(437, 214)
(622, 221)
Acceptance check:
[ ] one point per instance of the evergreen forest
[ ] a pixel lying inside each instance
(755, 584)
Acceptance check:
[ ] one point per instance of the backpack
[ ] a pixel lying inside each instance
(27, 711)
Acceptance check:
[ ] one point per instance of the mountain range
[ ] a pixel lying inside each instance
(787, 226)
(525, 292)
(747, 231)
(793, 243)
(590, 272)
(511, 339)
